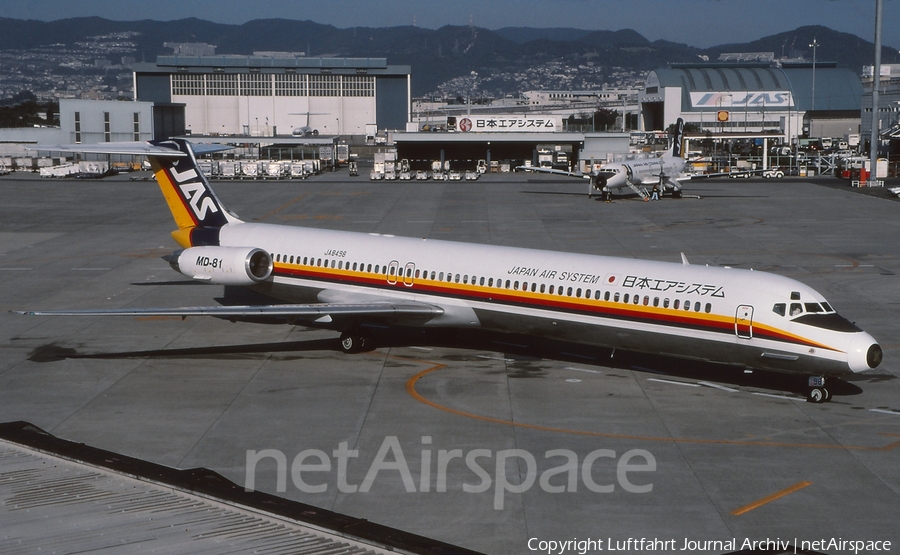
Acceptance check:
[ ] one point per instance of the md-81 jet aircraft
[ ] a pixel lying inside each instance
(347, 281)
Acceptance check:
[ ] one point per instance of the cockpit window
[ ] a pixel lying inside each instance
(796, 309)
(827, 307)
(813, 307)
(779, 309)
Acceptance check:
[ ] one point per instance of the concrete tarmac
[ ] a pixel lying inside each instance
(495, 443)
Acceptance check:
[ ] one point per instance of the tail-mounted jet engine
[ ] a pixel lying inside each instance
(223, 265)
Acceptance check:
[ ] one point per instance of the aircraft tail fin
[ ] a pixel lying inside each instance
(679, 138)
(197, 210)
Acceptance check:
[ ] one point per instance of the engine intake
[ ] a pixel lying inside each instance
(223, 265)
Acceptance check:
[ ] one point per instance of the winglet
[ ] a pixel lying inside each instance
(684, 260)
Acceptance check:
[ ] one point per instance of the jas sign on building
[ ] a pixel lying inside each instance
(742, 99)
(509, 123)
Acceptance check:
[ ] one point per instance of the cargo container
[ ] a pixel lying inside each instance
(249, 169)
(227, 170)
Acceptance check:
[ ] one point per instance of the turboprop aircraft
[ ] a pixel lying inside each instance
(666, 171)
(348, 281)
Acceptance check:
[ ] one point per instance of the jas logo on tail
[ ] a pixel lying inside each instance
(195, 193)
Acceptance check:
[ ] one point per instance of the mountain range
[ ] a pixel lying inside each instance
(503, 60)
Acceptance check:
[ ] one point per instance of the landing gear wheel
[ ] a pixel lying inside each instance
(817, 395)
(353, 342)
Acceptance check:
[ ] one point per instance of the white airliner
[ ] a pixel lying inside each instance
(347, 281)
(666, 171)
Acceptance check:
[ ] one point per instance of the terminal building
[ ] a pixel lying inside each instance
(273, 94)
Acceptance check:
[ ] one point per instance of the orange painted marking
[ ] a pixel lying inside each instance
(769, 498)
(282, 207)
(411, 390)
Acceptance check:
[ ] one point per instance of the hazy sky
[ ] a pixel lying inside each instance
(699, 23)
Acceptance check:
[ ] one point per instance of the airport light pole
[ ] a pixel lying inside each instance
(874, 137)
(814, 46)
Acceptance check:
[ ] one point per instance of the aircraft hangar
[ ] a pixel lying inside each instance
(272, 94)
(750, 97)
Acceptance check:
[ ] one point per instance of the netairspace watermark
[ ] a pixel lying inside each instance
(584, 546)
(312, 470)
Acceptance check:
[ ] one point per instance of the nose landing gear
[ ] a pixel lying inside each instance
(817, 392)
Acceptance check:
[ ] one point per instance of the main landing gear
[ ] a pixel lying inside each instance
(816, 392)
(354, 341)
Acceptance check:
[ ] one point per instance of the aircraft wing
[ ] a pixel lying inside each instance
(551, 170)
(319, 312)
(688, 177)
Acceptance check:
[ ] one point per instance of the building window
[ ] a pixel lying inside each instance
(78, 127)
(137, 126)
(107, 134)
(358, 85)
(290, 84)
(186, 84)
(324, 85)
(221, 84)
(256, 84)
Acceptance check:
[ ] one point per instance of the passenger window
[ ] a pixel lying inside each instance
(606, 296)
(292, 259)
(708, 308)
(542, 288)
(369, 268)
(551, 289)
(569, 292)
(376, 269)
(319, 262)
(466, 278)
(457, 279)
(481, 281)
(491, 282)
(779, 309)
(655, 301)
(533, 287)
(796, 309)
(305, 259)
(646, 300)
(666, 303)
(697, 306)
(637, 299)
(507, 284)
(687, 305)
(409, 272)
(578, 292)
(676, 304)
(354, 266)
(625, 298)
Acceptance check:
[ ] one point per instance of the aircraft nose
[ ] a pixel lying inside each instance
(864, 353)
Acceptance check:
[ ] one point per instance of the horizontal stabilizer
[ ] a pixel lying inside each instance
(133, 149)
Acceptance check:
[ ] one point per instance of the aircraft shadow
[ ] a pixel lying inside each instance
(526, 351)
